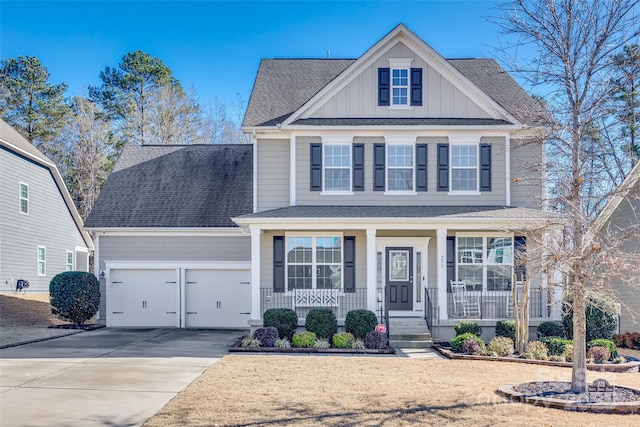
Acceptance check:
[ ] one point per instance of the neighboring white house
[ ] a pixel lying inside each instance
(41, 232)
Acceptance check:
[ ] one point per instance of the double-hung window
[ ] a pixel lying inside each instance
(400, 167)
(337, 167)
(314, 262)
(42, 261)
(400, 86)
(485, 262)
(464, 167)
(24, 198)
(69, 260)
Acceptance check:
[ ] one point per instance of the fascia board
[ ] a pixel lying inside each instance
(620, 194)
(184, 231)
(403, 127)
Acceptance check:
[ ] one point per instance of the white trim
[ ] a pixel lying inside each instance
(336, 193)
(441, 272)
(400, 192)
(255, 274)
(464, 193)
(349, 146)
(507, 171)
(81, 249)
(372, 297)
(210, 231)
(44, 261)
(20, 198)
(255, 176)
(292, 170)
(400, 138)
(338, 139)
(171, 265)
(96, 259)
(400, 62)
(73, 260)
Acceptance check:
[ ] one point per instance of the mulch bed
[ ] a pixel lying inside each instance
(237, 348)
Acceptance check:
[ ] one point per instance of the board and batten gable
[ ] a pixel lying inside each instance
(48, 224)
(272, 173)
(527, 183)
(441, 99)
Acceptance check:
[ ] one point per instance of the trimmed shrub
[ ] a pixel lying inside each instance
(457, 342)
(283, 343)
(250, 342)
(628, 340)
(359, 322)
(358, 344)
(343, 340)
(322, 343)
(598, 354)
(600, 313)
(75, 296)
(471, 346)
(267, 336)
(304, 339)
(284, 320)
(568, 352)
(536, 350)
(608, 344)
(500, 346)
(550, 329)
(322, 322)
(506, 328)
(468, 327)
(555, 345)
(375, 340)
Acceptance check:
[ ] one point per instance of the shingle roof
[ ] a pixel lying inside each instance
(390, 121)
(282, 86)
(176, 186)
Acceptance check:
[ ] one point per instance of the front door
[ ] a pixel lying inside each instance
(399, 262)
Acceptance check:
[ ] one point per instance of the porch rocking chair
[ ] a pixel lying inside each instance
(464, 305)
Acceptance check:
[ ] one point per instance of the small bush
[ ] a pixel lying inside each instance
(267, 336)
(556, 358)
(75, 296)
(343, 340)
(599, 354)
(619, 359)
(568, 352)
(359, 322)
(468, 327)
(506, 328)
(500, 346)
(536, 350)
(250, 342)
(608, 344)
(600, 314)
(283, 343)
(376, 340)
(284, 320)
(555, 345)
(358, 344)
(550, 329)
(322, 343)
(627, 340)
(471, 346)
(304, 339)
(322, 322)
(457, 342)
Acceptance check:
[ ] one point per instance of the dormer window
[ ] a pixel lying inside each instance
(400, 86)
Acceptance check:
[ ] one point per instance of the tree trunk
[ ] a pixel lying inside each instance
(579, 371)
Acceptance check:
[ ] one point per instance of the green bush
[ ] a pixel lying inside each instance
(322, 322)
(343, 340)
(358, 344)
(468, 327)
(458, 342)
(283, 343)
(500, 346)
(284, 320)
(536, 350)
(555, 345)
(304, 339)
(506, 328)
(250, 342)
(610, 345)
(359, 322)
(75, 296)
(322, 343)
(550, 329)
(600, 313)
(568, 352)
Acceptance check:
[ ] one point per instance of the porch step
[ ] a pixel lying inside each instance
(410, 343)
(409, 332)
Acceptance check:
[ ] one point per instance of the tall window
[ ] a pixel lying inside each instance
(464, 167)
(24, 198)
(399, 167)
(69, 260)
(400, 86)
(42, 261)
(314, 262)
(337, 167)
(485, 263)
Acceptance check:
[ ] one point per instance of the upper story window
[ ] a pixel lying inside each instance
(400, 167)
(337, 167)
(400, 86)
(24, 198)
(42, 261)
(464, 167)
(69, 261)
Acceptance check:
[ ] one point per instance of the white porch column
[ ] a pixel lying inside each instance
(441, 250)
(255, 274)
(372, 298)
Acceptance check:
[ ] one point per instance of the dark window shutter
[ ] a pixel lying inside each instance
(278, 264)
(383, 86)
(520, 248)
(358, 167)
(378, 167)
(485, 167)
(421, 167)
(443, 167)
(349, 263)
(451, 261)
(316, 167)
(416, 86)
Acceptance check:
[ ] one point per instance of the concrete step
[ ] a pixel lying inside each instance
(418, 329)
(410, 337)
(407, 321)
(410, 344)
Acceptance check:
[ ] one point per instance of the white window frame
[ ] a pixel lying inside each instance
(396, 64)
(25, 199)
(485, 263)
(412, 191)
(69, 265)
(349, 146)
(314, 263)
(476, 168)
(41, 262)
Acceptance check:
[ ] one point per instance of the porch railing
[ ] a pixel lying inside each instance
(303, 300)
(495, 304)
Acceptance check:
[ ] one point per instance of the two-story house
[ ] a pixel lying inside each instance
(377, 182)
(41, 232)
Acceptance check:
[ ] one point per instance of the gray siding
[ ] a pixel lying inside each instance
(527, 186)
(440, 97)
(49, 224)
(273, 174)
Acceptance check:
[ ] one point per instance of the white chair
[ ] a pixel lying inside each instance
(464, 305)
(510, 298)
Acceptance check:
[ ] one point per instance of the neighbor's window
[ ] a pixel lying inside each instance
(485, 263)
(314, 262)
(42, 261)
(24, 198)
(400, 167)
(69, 260)
(337, 167)
(464, 167)
(400, 86)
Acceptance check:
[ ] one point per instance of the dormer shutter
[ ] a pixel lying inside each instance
(416, 86)
(485, 167)
(378, 167)
(384, 86)
(316, 167)
(443, 167)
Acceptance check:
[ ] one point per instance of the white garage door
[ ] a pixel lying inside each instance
(144, 298)
(217, 298)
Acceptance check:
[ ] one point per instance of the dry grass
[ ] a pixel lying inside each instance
(27, 309)
(362, 391)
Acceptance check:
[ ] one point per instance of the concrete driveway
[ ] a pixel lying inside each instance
(105, 377)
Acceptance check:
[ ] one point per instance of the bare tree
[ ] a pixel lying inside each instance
(176, 116)
(223, 128)
(574, 41)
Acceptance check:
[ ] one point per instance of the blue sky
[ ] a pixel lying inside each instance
(216, 46)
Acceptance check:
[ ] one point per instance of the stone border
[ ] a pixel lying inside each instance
(236, 348)
(507, 391)
(600, 367)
